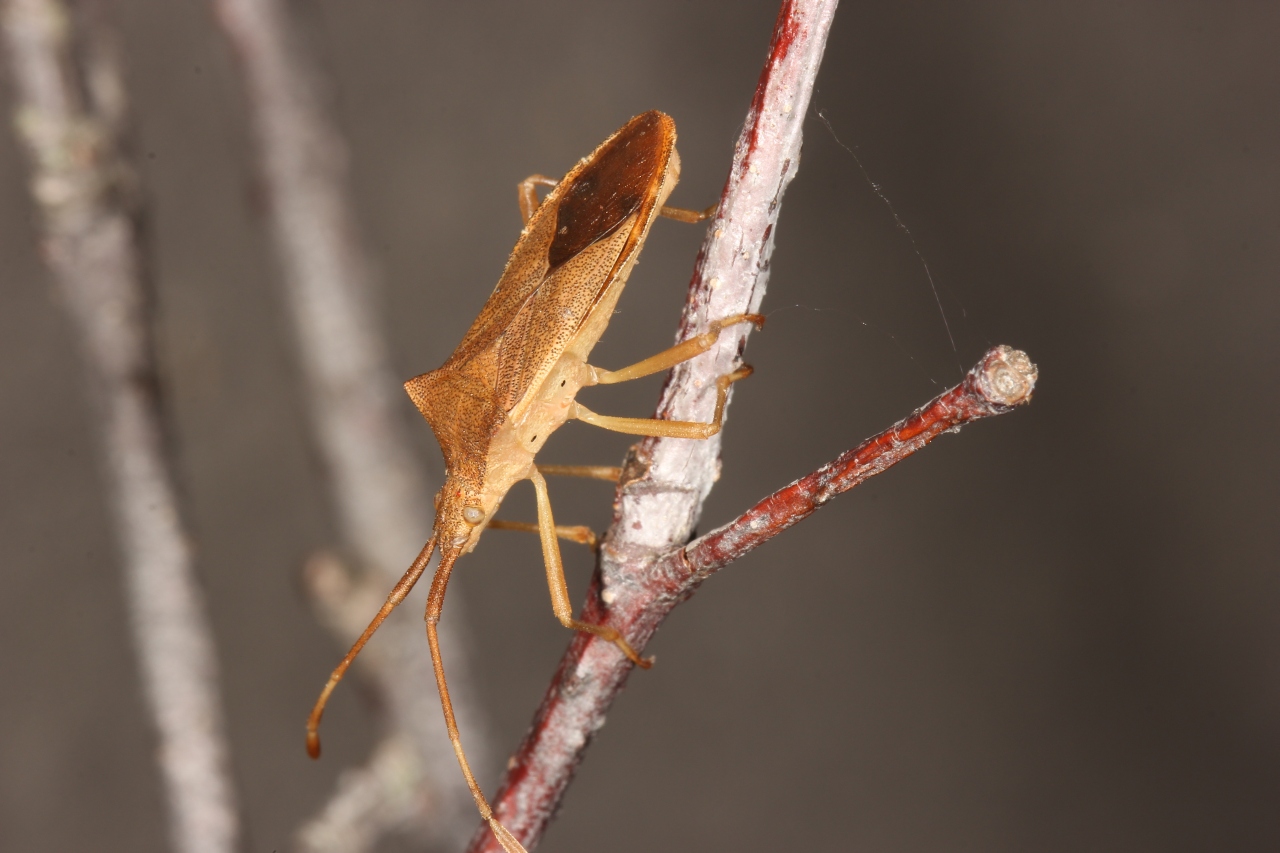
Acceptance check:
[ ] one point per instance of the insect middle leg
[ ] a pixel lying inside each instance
(682, 351)
(667, 429)
(560, 603)
(662, 361)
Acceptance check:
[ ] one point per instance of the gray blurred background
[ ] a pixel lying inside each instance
(1056, 631)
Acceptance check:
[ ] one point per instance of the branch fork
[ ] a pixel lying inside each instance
(647, 565)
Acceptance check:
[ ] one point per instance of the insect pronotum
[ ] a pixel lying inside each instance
(513, 379)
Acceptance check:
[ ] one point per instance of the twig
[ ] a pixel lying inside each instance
(381, 495)
(666, 480)
(70, 107)
(1003, 379)
(586, 682)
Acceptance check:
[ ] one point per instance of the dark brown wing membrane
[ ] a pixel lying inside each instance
(613, 186)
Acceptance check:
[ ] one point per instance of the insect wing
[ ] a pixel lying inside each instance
(570, 253)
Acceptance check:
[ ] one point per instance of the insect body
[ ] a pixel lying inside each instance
(514, 378)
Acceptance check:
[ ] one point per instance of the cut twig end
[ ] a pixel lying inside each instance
(1006, 376)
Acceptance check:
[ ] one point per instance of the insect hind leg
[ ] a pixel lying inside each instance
(527, 194)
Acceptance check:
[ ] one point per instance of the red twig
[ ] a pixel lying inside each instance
(667, 480)
(1003, 379)
(590, 675)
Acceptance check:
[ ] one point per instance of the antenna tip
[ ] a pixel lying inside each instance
(313, 744)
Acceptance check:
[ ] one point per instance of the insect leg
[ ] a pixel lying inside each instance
(578, 533)
(397, 595)
(435, 603)
(680, 214)
(667, 429)
(682, 351)
(527, 194)
(611, 473)
(560, 603)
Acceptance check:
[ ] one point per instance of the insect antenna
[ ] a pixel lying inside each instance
(435, 604)
(397, 595)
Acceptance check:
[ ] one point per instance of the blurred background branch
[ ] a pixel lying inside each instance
(379, 491)
(70, 109)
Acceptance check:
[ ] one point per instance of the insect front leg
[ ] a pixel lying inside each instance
(579, 533)
(527, 194)
(560, 603)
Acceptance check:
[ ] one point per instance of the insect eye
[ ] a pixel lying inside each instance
(472, 514)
